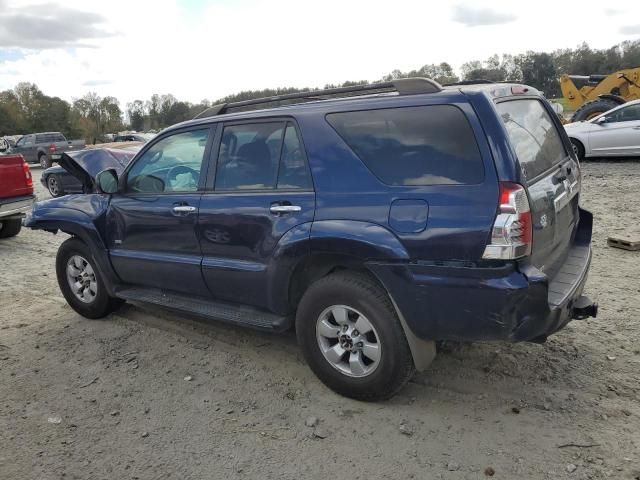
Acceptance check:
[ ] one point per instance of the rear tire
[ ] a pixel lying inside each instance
(44, 161)
(10, 228)
(81, 282)
(371, 364)
(592, 109)
(578, 148)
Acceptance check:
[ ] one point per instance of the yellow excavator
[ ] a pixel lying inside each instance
(599, 93)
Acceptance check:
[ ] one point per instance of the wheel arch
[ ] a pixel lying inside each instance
(78, 224)
(349, 245)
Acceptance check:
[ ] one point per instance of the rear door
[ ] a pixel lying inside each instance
(619, 134)
(262, 191)
(551, 175)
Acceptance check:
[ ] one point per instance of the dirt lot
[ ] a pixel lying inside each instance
(149, 394)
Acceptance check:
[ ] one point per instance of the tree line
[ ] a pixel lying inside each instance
(26, 109)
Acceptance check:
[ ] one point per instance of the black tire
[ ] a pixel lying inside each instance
(54, 186)
(592, 109)
(362, 293)
(44, 160)
(102, 305)
(578, 148)
(10, 228)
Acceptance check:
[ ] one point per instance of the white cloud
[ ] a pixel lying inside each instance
(48, 26)
(199, 50)
(630, 29)
(475, 17)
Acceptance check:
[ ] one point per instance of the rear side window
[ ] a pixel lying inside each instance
(533, 135)
(293, 172)
(430, 145)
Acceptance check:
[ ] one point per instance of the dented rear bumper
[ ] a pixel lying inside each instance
(516, 302)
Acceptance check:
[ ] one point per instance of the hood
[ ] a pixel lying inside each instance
(85, 165)
(577, 127)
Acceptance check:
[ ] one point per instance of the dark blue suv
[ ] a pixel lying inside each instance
(374, 219)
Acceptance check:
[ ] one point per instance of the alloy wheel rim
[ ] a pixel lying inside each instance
(82, 279)
(348, 341)
(53, 186)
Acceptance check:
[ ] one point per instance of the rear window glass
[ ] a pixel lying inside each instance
(533, 135)
(427, 145)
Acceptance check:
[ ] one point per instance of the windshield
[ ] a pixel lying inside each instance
(533, 135)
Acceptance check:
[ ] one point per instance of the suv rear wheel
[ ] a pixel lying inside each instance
(80, 281)
(351, 337)
(44, 161)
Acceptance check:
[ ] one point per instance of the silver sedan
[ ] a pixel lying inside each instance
(613, 133)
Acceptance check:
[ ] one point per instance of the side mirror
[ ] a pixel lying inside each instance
(107, 181)
(602, 120)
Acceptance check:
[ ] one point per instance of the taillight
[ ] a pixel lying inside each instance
(511, 236)
(28, 178)
(52, 148)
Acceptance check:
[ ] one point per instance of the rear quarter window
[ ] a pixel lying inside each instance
(428, 145)
(532, 134)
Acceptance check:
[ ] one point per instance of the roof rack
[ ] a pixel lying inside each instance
(404, 86)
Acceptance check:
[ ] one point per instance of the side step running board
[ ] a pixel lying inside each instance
(230, 313)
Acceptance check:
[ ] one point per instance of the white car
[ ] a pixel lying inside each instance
(613, 133)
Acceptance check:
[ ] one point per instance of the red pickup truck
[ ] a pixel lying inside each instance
(16, 193)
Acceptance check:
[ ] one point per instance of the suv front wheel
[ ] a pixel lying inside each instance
(80, 281)
(351, 337)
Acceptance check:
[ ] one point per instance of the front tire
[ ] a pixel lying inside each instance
(80, 281)
(578, 148)
(10, 228)
(593, 109)
(351, 337)
(54, 186)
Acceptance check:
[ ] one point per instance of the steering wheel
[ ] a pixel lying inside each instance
(173, 173)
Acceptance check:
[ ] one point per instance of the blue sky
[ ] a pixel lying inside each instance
(199, 49)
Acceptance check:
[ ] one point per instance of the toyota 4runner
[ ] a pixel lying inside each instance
(374, 219)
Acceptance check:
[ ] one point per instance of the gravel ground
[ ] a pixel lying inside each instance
(150, 394)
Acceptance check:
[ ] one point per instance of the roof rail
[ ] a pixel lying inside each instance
(404, 86)
(470, 82)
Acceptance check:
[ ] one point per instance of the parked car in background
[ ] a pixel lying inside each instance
(45, 148)
(134, 137)
(16, 193)
(377, 224)
(9, 142)
(615, 133)
(59, 181)
(4, 145)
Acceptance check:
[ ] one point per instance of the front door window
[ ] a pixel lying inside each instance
(171, 165)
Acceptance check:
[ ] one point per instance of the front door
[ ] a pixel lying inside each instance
(619, 134)
(151, 228)
(262, 191)
(26, 147)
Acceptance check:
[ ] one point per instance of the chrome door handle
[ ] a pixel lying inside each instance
(183, 209)
(284, 208)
